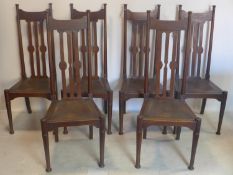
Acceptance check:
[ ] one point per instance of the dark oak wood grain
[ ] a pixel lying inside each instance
(164, 108)
(198, 83)
(72, 109)
(133, 67)
(37, 84)
(101, 87)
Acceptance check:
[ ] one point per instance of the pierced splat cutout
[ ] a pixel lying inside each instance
(202, 37)
(167, 36)
(35, 28)
(69, 64)
(98, 48)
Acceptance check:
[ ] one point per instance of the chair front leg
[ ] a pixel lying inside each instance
(164, 130)
(203, 104)
(9, 113)
(65, 131)
(196, 133)
(178, 131)
(124, 107)
(144, 133)
(174, 130)
(105, 108)
(28, 105)
(90, 132)
(102, 141)
(138, 142)
(110, 98)
(46, 145)
(222, 110)
(121, 107)
(56, 135)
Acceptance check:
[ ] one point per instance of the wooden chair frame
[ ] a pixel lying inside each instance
(132, 86)
(37, 85)
(101, 87)
(152, 112)
(73, 109)
(206, 89)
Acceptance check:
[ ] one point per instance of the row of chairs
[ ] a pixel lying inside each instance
(155, 65)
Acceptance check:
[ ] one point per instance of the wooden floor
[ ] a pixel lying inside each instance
(22, 153)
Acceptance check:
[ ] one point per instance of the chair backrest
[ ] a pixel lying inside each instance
(69, 58)
(137, 40)
(167, 42)
(201, 50)
(98, 27)
(36, 36)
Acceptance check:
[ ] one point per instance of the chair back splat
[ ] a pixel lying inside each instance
(134, 34)
(167, 43)
(35, 26)
(70, 68)
(137, 41)
(202, 40)
(97, 44)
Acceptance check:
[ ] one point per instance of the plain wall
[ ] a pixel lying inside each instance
(222, 54)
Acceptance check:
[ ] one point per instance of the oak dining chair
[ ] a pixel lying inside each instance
(198, 83)
(71, 110)
(133, 75)
(37, 82)
(164, 109)
(100, 84)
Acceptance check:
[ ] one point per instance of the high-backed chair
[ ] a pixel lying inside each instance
(72, 109)
(164, 109)
(198, 83)
(100, 84)
(36, 84)
(133, 67)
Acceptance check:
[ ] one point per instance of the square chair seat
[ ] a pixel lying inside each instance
(136, 86)
(201, 86)
(99, 86)
(173, 110)
(31, 85)
(71, 110)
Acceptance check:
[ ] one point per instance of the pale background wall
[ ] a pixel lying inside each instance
(222, 55)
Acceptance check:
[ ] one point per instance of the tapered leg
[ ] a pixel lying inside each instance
(203, 105)
(90, 132)
(105, 106)
(102, 141)
(9, 114)
(110, 96)
(174, 130)
(46, 146)
(195, 141)
(28, 105)
(124, 107)
(178, 131)
(65, 131)
(121, 106)
(164, 130)
(138, 142)
(144, 133)
(222, 110)
(56, 135)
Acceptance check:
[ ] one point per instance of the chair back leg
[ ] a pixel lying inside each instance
(110, 98)
(203, 104)
(28, 105)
